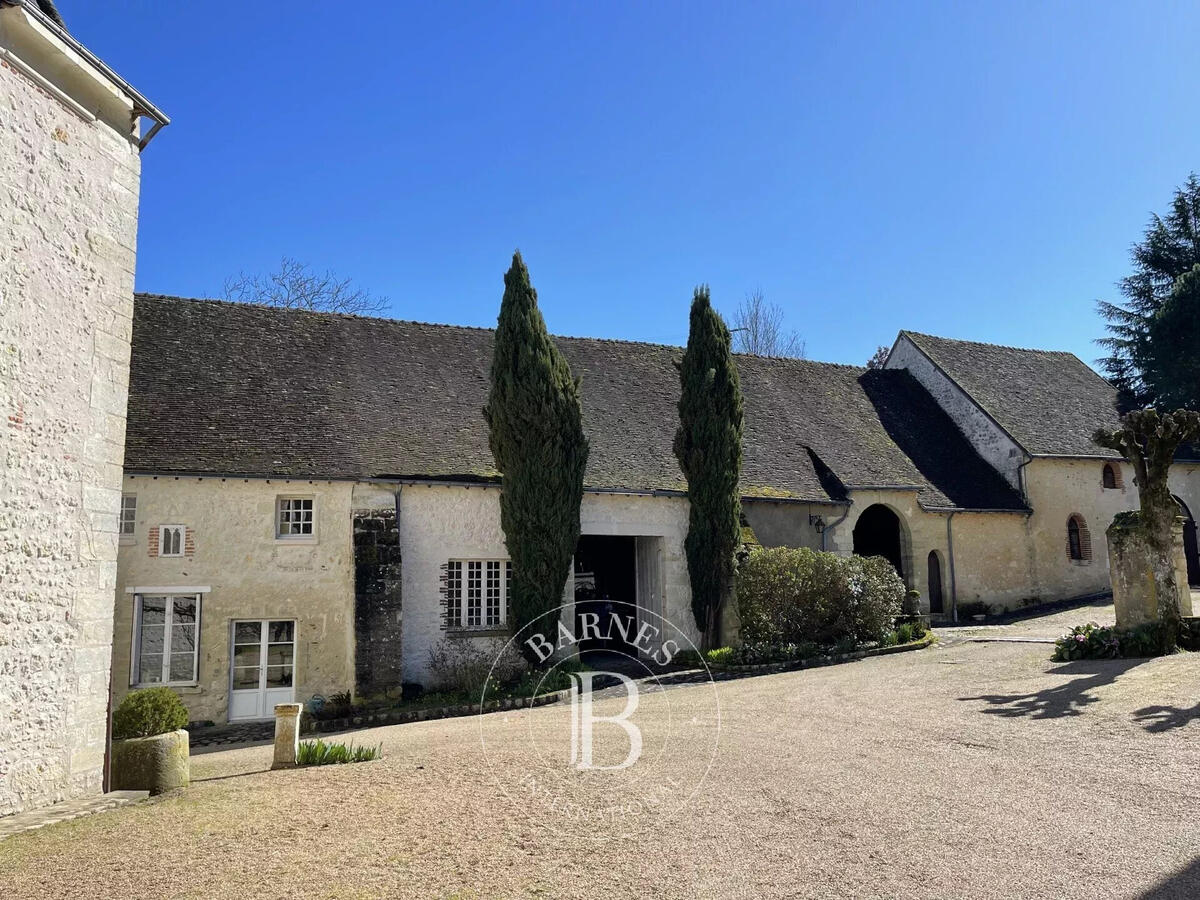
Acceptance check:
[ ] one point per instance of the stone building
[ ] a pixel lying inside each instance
(314, 507)
(69, 181)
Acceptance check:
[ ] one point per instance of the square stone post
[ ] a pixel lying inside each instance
(287, 735)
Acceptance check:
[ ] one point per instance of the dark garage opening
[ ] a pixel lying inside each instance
(606, 585)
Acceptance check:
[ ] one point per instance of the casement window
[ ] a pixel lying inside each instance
(476, 592)
(170, 540)
(294, 518)
(166, 639)
(1079, 539)
(1111, 476)
(128, 514)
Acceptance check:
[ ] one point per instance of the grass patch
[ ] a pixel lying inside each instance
(332, 753)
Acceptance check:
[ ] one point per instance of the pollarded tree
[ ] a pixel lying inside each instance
(535, 429)
(708, 445)
(1149, 440)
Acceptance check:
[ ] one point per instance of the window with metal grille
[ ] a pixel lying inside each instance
(476, 592)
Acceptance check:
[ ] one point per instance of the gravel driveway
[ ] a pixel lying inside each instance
(977, 770)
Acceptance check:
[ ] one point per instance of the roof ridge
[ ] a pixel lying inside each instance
(938, 337)
(448, 325)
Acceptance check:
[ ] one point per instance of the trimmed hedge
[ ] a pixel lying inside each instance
(799, 596)
(147, 712)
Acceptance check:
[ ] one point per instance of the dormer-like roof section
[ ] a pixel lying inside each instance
(1049, 402)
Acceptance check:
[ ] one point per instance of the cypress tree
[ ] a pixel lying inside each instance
(708, 445)
(535, 429)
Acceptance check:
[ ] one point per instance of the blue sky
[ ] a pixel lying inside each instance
(976, 170)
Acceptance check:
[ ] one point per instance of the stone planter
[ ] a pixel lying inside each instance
(155, 764)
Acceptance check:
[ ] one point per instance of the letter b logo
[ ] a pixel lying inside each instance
(582, 721)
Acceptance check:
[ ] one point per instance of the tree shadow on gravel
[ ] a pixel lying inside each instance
(1157, 719)
(1068, 699)
(1183, 885)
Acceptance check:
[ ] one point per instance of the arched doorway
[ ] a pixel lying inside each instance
(1190, 549)
(877, 533)
(935, 583)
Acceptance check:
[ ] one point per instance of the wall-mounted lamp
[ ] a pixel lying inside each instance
(817, 522)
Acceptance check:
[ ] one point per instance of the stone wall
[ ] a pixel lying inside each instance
(249, 574)
(1059, 489)
(778, 523)
(69, 184)
(377, 600)
(442, 522)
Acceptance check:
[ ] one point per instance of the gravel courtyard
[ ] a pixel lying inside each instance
(967, 770)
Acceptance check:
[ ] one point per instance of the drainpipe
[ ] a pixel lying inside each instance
(950, 553)
(828, 528)
(1021, 486)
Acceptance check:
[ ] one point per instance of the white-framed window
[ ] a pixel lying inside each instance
(166, 639)
(171, 540)
(128, 514)
(294, 517)
(477, 592)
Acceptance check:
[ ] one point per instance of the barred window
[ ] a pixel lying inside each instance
(476, 592)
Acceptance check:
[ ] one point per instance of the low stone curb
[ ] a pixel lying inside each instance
(817, 661)
(400, 716)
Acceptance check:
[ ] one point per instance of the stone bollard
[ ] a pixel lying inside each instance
(287, 735)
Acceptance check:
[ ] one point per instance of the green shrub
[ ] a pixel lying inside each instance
(762, 653)
(320, 753)
(1092, 641)
(721, 656)
(904, 634)
(148, 712)
(796, 595)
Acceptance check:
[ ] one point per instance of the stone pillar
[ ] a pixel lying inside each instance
(1132, 574)
(287, 735)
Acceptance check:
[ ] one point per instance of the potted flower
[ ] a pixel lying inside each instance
(150, 745)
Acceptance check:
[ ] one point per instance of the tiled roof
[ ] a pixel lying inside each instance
(227, 388)
(1050, 402)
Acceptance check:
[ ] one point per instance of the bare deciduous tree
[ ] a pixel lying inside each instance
(879, 357)
(296, 286)
(758, 328)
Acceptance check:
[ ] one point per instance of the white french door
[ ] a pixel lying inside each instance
(262, 667)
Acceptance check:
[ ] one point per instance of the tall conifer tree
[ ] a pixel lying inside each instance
(535, 429)
(708, 445)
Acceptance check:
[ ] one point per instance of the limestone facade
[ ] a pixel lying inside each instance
(69, 184)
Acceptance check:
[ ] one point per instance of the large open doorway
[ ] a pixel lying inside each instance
(1190, 549)
(606, 586)
(877, 533)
